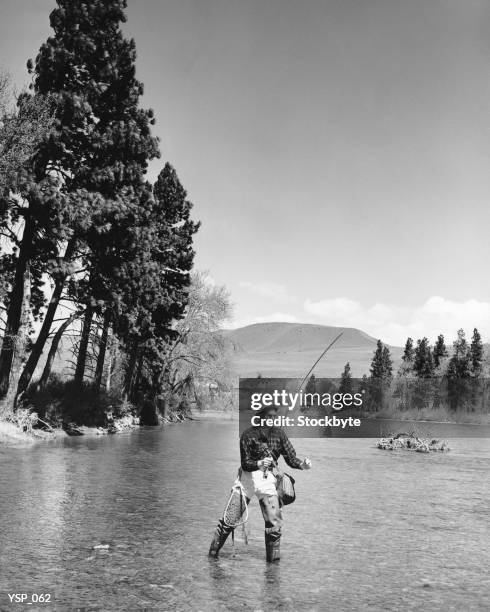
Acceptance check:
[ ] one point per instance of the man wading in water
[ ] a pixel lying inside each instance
(260, 448)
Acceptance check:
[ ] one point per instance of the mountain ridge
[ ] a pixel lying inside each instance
(289, 349)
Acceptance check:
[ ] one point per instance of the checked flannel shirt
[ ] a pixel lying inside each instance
(277, 442)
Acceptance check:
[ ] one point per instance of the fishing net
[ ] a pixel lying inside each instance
(236, 509)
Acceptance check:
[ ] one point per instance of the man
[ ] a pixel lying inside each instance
(260, 448)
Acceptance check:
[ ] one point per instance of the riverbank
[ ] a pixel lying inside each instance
(12, 433)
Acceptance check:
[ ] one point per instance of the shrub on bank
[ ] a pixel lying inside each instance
(62, 402)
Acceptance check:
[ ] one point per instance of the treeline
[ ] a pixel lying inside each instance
(429, 377)
(87, 243)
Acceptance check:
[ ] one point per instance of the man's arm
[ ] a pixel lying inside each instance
(248, 464)
(289, 453)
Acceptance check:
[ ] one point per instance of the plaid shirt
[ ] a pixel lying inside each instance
(277, 442)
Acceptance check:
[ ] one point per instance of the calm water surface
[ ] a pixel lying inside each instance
(370, 530)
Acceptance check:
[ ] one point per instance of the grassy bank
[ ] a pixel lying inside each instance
(63, 408)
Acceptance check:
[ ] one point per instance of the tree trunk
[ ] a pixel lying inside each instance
(137, 378)
(53, 349)
(99, 369)
(15, 309)
(130, 372)
(110, 366)
(7, 404)
(37, 349)
(83, 347)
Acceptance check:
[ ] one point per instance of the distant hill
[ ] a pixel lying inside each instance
(290, 349)
(281, 349)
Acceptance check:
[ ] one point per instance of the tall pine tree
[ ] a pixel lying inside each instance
(423, 364)
(381, 373)
(459, 366)
(101, 143)
(476, 350)
(459, 371)
(440, 351)
(156, 290)
(381, 364)
(408, 353)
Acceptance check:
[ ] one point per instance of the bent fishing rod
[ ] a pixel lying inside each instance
(318, 361)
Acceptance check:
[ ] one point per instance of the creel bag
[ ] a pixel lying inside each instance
(285, 489)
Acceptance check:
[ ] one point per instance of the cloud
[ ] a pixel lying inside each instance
(393, 324)
(269, 290)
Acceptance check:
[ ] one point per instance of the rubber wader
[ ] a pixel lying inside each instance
(271, 511)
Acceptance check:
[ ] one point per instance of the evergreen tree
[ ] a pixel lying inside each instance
(103, 140)
(423, 362)
(156, 285)
(381, 373)
(381, 364)
(346, 385)
(476, 350)
(408, 353)
(101, 143)
(459, 372)
(377, 362)
(440, 351)
(406, 365)
(460, 363)
(387, 363)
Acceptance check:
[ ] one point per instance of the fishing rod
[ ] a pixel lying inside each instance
(318, 360)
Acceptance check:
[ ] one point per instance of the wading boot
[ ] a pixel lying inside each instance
(271, 511)
(272, 547)
(219, 538)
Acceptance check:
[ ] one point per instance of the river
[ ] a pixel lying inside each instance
(370, 530)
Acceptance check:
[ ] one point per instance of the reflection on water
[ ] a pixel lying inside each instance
(370, 530)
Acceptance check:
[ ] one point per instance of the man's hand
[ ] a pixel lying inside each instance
(264, 464)
(306, 465)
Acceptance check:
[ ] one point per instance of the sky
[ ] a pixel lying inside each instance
(336, 151)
